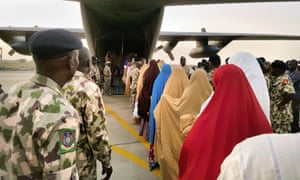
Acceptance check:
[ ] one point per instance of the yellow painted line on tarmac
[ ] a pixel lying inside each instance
(135, 159)
(128, 127)
(125, 153)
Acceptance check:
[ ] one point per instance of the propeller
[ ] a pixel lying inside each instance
(168, 47)
(158, 48)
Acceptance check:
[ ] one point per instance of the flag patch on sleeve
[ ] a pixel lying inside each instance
(285, 81)
(67, 140)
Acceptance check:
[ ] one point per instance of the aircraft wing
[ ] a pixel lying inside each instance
(18, 37)
(214, 36)
(209, 43)
(193, 2)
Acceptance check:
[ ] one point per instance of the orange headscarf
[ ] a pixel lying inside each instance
(176, 83)
(167, 115)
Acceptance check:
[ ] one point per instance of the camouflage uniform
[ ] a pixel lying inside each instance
(134, 75)
(95, 74)
(280, 119)
(107, 79)
(210, 76)
(93, 143)
(39, 131)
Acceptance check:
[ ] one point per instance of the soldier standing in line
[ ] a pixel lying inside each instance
(93, 143)
(133, 78)
(281, 91)
(107, 78)
(39, 128)
(183, 65)
(95, 72)
(214, 62)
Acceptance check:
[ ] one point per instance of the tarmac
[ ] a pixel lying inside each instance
(130, 151)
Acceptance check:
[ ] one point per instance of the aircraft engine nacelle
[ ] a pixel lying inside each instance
(204, 51)
(21, 47)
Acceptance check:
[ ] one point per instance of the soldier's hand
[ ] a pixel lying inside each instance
(106, 172)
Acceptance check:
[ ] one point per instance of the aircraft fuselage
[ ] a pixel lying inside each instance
(121, 26)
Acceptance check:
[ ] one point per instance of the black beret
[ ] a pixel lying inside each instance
(278, 64)
(53, 43)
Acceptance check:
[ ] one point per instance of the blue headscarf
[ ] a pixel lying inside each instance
(157, 90)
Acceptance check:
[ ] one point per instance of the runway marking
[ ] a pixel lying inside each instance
(135, 159)
(128, 127)
(125, 153)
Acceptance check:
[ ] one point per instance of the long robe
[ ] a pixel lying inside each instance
(145, 97)
(176, 83)
(139, 84)
(232, 115)
(267, 157)
(167, 115)
(157, 91)
(174, 87)
(248, 63)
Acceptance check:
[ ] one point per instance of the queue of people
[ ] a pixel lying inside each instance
(199, 123)
(247, 97)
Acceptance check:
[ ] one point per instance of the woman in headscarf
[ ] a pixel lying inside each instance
(139, 85)
(176, 83)
(232, 115)
(248, 63)
(167, 113)
(174, 87)
(157, 91)
(145, 97)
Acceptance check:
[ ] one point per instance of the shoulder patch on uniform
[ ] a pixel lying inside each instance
(67, 140)
(285, 81)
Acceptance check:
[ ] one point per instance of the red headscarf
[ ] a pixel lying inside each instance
(232, 115)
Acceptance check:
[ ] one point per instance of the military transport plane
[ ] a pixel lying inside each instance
(134, 26)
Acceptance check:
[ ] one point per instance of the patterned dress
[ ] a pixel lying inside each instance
(93, 141)
(281, 119)
(39, 131)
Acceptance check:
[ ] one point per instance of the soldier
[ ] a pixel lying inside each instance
(38, 127)
(95, 72)
(107, 77)
(281, 91)
(183, 65)
(214, 62)
(93, 143)
(133, 78)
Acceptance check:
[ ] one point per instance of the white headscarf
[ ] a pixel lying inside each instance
(254, 74)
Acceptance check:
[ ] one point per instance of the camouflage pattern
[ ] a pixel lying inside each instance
(38, 132)
(210, 76)
(134, 75)
(280, 119)
(107, 78)
(93, 141)
(95, 74)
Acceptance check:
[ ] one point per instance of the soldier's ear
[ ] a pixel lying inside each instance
(73, 61)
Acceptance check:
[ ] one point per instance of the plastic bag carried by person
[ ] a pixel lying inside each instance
(135, 110)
